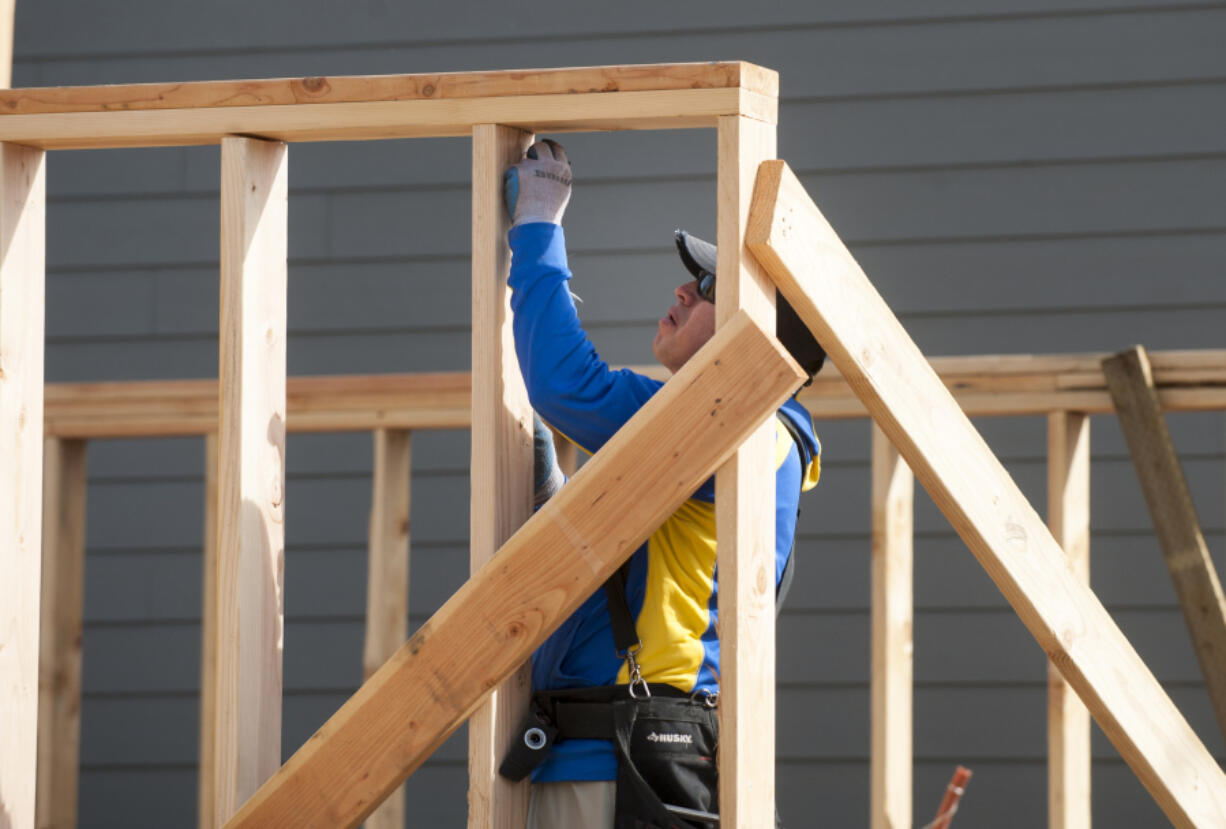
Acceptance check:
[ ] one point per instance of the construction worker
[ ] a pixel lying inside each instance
(623, 725)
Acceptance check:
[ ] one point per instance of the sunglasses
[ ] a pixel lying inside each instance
(706, 286)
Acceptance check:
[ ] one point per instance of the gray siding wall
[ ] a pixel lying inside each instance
(1014, 176)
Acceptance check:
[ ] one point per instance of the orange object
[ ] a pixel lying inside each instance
(949, 803)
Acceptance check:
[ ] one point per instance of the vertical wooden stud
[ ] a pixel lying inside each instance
(8, 10)
(387, 583)
(251, 477)
(22, 321)
(206, 815)
(63, 599)
(892, 653)
(1068, 721)
(501, 470)
(745, 512)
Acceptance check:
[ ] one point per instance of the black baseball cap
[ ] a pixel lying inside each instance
(699, 258)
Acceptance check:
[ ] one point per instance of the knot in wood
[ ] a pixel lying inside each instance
(316, 85)
(761, 583)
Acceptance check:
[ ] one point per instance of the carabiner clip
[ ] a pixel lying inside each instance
(638, 688)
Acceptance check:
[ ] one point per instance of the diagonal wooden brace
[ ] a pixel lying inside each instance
(537, 579)
(1131, 380)
(830, 292)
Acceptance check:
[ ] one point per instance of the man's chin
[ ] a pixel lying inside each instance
(657, 353)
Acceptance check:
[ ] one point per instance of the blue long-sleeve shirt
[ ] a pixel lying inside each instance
(672, 585)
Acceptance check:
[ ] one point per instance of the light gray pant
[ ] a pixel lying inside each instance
(572, 805)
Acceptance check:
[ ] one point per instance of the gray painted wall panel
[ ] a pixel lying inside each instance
(1013, 178)
(969, 54)
(1137, 274)
(317, 23)
(148, 797)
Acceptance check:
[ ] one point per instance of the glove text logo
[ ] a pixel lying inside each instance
(552, 176)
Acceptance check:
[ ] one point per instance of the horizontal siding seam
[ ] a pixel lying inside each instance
(631, 34)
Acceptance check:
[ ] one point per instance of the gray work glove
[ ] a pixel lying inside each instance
(538, 187)
(547, 477)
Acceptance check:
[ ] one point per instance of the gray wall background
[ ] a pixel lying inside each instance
(1015, 176)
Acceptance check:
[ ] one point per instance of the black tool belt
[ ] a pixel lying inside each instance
(665, 745)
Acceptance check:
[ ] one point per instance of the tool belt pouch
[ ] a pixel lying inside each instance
(665, 754)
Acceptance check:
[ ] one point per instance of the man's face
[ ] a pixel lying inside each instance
(684, 329)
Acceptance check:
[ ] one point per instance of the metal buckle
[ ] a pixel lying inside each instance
(707, 698)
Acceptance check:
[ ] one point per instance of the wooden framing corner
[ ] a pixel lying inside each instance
(830, 292)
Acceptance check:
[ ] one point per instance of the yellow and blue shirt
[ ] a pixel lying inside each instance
(672, 584)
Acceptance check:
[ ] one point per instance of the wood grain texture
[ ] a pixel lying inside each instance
(62, 607)
(369, 88)
(387, 577)
(1174, 515)
(501, 462)
(545, 571)
(206, 812)
(251, 478)
(345, 403)
(982, 385)
(891, 726)
(906, 398)
(22, 323)
(1068, 720)
(1018, 384)
(669, 96)
(387, 582)
(745, 513)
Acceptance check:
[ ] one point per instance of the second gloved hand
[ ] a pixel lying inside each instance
(537, 188)
(547, 477)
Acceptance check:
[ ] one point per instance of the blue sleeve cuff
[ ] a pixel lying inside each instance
(540, 247)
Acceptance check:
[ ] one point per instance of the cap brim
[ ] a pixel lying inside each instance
(697, 255)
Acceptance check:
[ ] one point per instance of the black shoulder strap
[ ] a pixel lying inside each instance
(625, 637)
(796, 438)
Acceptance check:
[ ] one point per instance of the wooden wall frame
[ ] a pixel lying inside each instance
(251, 120)
(499, 110)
